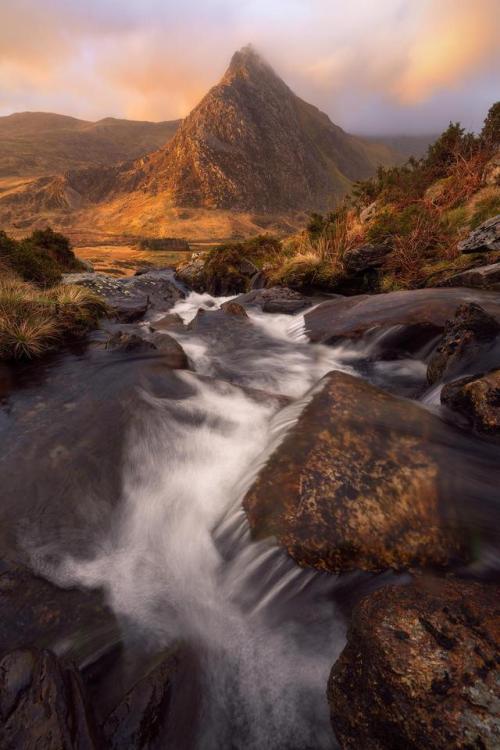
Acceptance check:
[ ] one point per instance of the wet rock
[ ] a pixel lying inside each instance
(169, 322)
(34, 611)
(357, 484)
(174, 355)
(140, 721)
(233, 308)
(276, 299)
(477, 398)
(483, 239)
(129, 342)
(352, 317)
(131, 297)
(192, 274)
(420, 669)
(470, 330)
(481, 277)
(364, 258)
(42, 704)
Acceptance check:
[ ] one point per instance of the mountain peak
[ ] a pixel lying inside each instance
(247, 61)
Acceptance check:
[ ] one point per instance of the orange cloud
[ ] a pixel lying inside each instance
(455, 39)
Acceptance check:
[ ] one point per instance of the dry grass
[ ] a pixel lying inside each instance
(34, 321)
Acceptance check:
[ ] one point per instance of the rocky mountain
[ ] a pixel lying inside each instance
(41, 143)
(250, 157)
(252, 144)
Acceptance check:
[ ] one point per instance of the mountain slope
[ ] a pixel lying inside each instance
(34, 144)
(252, 144)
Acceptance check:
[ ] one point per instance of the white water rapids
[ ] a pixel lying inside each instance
(179, 563)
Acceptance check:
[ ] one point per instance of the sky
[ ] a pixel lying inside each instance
(374, 66)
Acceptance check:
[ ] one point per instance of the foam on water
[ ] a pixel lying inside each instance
(180, 563)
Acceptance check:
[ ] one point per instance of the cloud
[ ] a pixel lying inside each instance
(371, 66)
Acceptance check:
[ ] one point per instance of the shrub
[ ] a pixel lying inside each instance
(40, 258)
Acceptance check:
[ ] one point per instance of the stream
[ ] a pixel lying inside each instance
(143, 501)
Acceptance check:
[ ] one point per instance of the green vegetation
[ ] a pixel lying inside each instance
(42, 257)
(419, 212)
(37, 314)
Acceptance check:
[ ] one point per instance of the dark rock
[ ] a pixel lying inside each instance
(169, 322)
(478, 398)
(131, 297)
(141, 719)
(42, 704)
(34, 611)
(365, 257)
(481, 277)
(233, 308)
(483, 239)
(129, 342)
(464, 335)
(357, 484)
(192, 274)
(420, 669)
(174, 355)
(352, 317)
(276, 299)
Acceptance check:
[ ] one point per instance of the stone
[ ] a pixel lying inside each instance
(477, 398)
(42, 704)
(131, 297)
(420, 669)
(358, 483)
(170, 321)
(352, 317)
(234, 308)
(480, 277)
(364, 258)
(276, 299)
(470, 330)
(141, 719)
(483, 239)
(368, 213)
(173, 355)
(491, 173)
(129, 342)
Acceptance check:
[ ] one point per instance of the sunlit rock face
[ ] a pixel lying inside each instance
(359, 483)
(419, 669)
(252, 144)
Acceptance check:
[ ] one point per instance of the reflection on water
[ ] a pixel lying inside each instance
(125, 260)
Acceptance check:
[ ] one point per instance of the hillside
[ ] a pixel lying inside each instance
(34, 144)
(251, 156)
(434, 221)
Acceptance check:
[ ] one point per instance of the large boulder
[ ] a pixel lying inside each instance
(358, 483)
(42, 704)
(480, 277)
(276, 299)
(34, 611)
(141, 720)
(483, 239)
(123, 341)
(131, 297)
(420, 669)
(477, 398)
(469, 331)
(365, 257)
(352, 317)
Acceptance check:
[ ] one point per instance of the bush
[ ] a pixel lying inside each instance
(41, 258)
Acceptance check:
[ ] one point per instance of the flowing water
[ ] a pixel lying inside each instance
(177, 562)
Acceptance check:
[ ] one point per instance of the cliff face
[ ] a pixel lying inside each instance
(252, 144)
